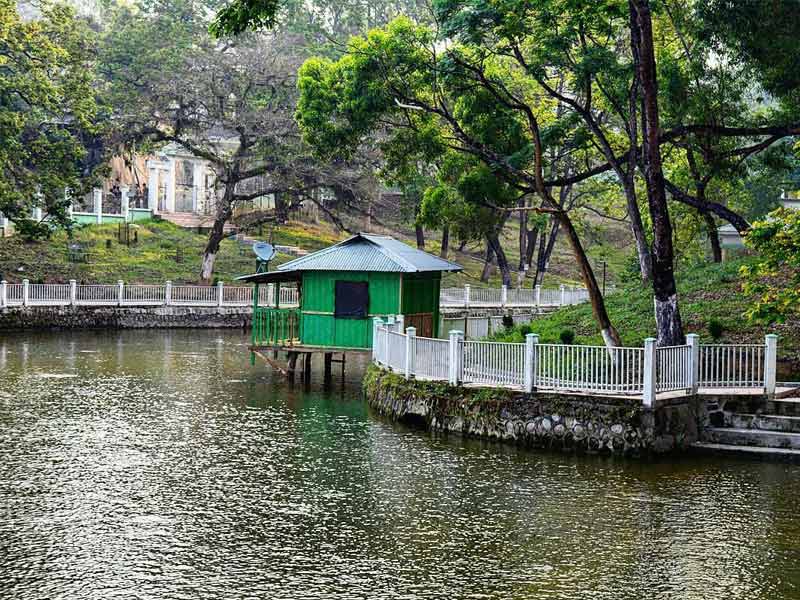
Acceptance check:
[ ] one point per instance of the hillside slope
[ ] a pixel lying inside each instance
(707, 292)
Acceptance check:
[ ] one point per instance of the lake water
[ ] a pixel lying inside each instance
(161, 465)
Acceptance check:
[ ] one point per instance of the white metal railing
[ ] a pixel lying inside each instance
(737, 365)
(589, 369)
(121, 294)
(512, 297)
(674, 368)
(641, 372)
(493, 363)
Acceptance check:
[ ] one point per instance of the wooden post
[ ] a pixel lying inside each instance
(292, 365)
(327, 369)
(770, 364)
(307, 368)
(693, 340)
(411, 334)
(530, 361)
(25, 292)
(649, 388)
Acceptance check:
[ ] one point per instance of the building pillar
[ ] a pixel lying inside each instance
(152, 187)
(198, 185)
(124, 207)
(169, 186)
(97, 204)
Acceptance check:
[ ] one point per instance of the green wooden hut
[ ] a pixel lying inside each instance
(341, 289)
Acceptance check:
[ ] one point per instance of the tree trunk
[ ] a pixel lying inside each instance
(523, 241)
(713, 236)
(502, 260)
(420, 237)
(637, 227)
(668, 317)
(546, 246)
(530, 246)
(607, 330)
(488, 263)
(217, 234)
(445, 242)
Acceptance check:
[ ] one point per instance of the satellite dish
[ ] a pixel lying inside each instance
(264, 251)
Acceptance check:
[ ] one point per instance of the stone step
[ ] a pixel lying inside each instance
(755, 452)
(786, 423)
(736, 436)
(784, 406)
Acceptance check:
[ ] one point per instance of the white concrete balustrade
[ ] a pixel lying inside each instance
(472, 297)
(627, 371)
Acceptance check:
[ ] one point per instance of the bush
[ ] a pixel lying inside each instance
(567, 336)
(715, 328)
(525, 329)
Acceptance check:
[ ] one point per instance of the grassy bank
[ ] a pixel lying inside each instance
(707, 293)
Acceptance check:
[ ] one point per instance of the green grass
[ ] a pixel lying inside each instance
(706, 292)
(164, 251)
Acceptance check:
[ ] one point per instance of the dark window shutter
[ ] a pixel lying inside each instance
(352, 300)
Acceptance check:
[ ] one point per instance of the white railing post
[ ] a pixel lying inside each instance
(538, 296)
(693, 340)
(25, 291)
(219, 294)
(167, 293)
(563, 295)
(454, 374)
(73, 292)
(97, 198)
(3, 293)
(466, 296)
(120, 292)
(411, 333)
(503, 295)
(376, 322)
(530, 361)
(770, 364)
(399, 323)
(649, 387)
(389, 326)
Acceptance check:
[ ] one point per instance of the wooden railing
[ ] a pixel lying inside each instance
(276, 326)
(641, 372)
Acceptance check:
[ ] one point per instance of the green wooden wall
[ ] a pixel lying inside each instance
(421, 295)
(321, 328)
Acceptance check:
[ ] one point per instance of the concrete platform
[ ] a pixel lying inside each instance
(751, 452)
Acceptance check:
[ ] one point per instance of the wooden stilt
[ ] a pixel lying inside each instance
(327, 373)
(307, 369)
(292, 365)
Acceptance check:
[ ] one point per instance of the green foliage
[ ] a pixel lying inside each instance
(775, 277)
(48, 114)
(567, 336)
(715, 329)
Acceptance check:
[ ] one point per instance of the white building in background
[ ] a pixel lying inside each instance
(729, 238)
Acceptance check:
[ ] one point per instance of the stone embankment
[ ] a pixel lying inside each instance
(109, 317)
(571, 422)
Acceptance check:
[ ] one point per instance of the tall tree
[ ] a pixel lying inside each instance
(48, 115)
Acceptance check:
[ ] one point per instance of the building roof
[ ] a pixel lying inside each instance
(364, 252)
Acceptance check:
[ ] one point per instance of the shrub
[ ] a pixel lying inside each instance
(567, 336)
(715, 328)
(525, 329)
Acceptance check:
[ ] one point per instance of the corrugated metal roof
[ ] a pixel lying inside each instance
(366, 252)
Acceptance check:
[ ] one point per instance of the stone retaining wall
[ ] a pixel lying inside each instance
(105, 317)
(542, 420)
